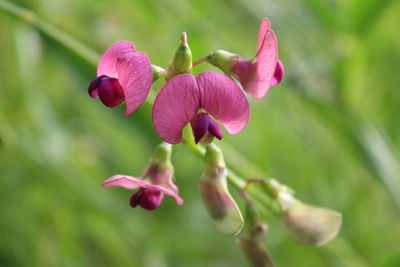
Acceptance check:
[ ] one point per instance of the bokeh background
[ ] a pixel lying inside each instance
(330, 131)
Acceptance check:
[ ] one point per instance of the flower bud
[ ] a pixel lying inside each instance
(223, 60)
(311, 226)
(215, 195)
(182, 61)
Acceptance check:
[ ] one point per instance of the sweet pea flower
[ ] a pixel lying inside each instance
(255, 75)
(199, 100)
(154, 183)
(123, 74)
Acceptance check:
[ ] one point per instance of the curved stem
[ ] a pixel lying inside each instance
(199, 61)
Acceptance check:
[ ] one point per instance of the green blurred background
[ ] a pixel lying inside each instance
(330, 131)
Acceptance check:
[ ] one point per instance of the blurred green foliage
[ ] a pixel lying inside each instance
(330, 131)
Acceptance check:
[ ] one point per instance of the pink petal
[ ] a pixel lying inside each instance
(263, 67)
(176, 104)
(224, 100)
(135, 76)
(278, 74)
(130, 182)
(263, 29)
(107, 61)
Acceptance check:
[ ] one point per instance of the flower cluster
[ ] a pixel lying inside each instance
(206, 102)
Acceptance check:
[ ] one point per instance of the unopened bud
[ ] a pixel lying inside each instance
(215, 195)
(182, 61)
(223, 60)
(311, 226)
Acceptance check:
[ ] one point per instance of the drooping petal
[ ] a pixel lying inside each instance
(110, 92)
(135, 75)
(263, 29)
(224, 100)
(176, 104)
(130, 182)
(279, 73)
(107, 61)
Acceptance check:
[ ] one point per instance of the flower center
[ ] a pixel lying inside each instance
(205, 129)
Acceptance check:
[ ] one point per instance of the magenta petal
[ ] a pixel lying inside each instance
(111, 92)
(263, 29)
(93, 87)
(200, 124)
(107, 61)
(215, 129)
(176, 104)
(147, 199)
(279, 73)
(135, 76)
(130, 182)
(224, 100)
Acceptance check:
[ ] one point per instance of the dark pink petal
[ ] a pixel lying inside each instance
(176, 104)
(263, 29)
(279, 73)
(215, 129)
(200, 124)
(108, 59)
(93, 87)
(130, 182)
(135, 76)
(111, 92)
(224, 100)
(147, 199)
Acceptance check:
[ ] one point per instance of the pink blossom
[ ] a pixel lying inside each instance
(152, 186)
(198, 100)
(123, 74)
(264, 70)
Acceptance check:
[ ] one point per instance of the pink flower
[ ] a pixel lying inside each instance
(265, 70)
(152, 186)
(198, 100)
(123, 74)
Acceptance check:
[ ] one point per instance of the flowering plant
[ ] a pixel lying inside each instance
(205, 101)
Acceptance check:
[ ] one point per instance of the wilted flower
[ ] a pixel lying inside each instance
(258, 74)
(215, 195)
(123, 74)
(311, 226)
(186, 98)
(154, 183)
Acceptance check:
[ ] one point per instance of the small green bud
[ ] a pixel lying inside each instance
(215, 195)
(182, 61)
(311, 226)
(223, 60)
